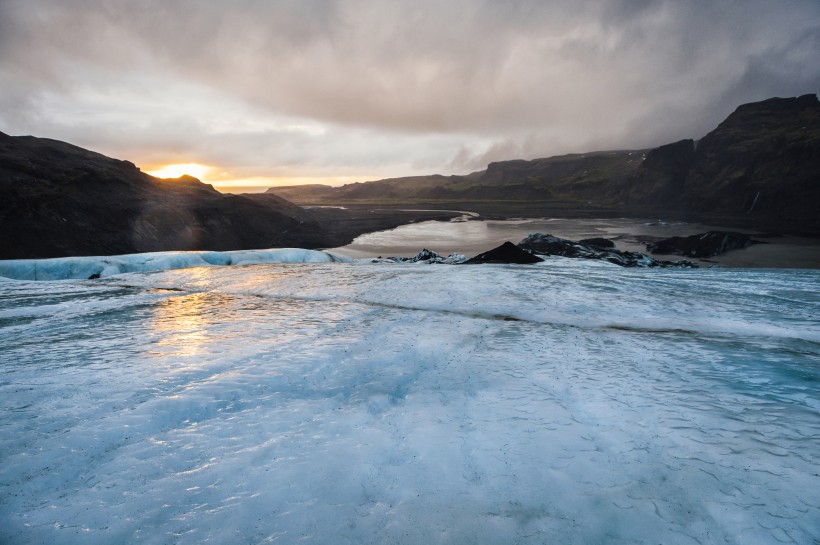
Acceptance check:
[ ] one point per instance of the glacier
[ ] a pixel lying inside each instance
(86, 267)
(564, 402)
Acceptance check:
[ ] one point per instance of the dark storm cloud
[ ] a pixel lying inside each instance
(499, 78)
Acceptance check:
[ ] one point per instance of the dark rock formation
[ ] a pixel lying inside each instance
(597, 242)
(761, 166)
(506, 253)
(703, 245)
(424, 256)
(551, 245)
(58, 200)
(428, 256)
(660, 178)
(673, 159)
(763, 161)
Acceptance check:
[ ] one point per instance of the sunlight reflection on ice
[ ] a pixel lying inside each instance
(181, 323)
(565, 402)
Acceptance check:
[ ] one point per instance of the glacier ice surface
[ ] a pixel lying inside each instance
(565, 402)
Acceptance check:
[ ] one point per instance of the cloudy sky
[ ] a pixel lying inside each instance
(269, 92)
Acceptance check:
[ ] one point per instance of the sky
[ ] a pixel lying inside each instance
(253, 93)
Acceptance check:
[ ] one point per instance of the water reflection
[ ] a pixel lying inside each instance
(472, 237)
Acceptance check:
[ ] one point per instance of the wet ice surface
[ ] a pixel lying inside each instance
(566, 402)
(88, 267)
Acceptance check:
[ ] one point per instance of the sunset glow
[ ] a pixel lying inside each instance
(229, 182)
(175, 171)
(308, 89)
(506, 272)
(257, 184)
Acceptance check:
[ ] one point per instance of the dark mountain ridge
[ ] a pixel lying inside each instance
(60, 200)
(574, 177)
(762, 162)
(760, 167)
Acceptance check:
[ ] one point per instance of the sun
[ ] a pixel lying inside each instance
(175, 171)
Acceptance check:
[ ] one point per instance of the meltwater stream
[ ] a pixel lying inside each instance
(565, 402)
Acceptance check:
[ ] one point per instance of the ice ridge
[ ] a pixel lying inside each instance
(89, 267)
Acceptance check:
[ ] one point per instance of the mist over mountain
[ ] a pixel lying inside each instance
(761, 166)
(762, 162)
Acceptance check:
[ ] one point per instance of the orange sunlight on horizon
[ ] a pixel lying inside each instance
(227, 182)
(261, 183)
(175, 171)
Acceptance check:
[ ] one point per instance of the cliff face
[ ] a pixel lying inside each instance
(761, 163)
(59, 200)
(764, 160)
(760, 167)
(576, 177)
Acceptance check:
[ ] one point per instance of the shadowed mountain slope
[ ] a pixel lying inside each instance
(761, 163)
(760, 167)
(575, 177)
(57, 199)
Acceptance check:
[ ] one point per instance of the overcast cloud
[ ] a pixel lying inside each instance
(388, 88)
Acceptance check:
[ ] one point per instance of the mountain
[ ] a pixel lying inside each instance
(567, 178)
(762, 162)
(57, 199)
(760, 167)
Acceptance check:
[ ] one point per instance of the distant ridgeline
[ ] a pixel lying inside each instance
(760, 167)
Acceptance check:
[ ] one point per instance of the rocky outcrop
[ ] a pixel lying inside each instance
(660, 179)
(762, 162)
(703, 245)
(548, 245)
(428, 256)
(506, 253)
(761, 166)
(425, 256)
(528, 251)
(601, 243)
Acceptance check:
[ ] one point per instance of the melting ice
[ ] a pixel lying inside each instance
(564, 402)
